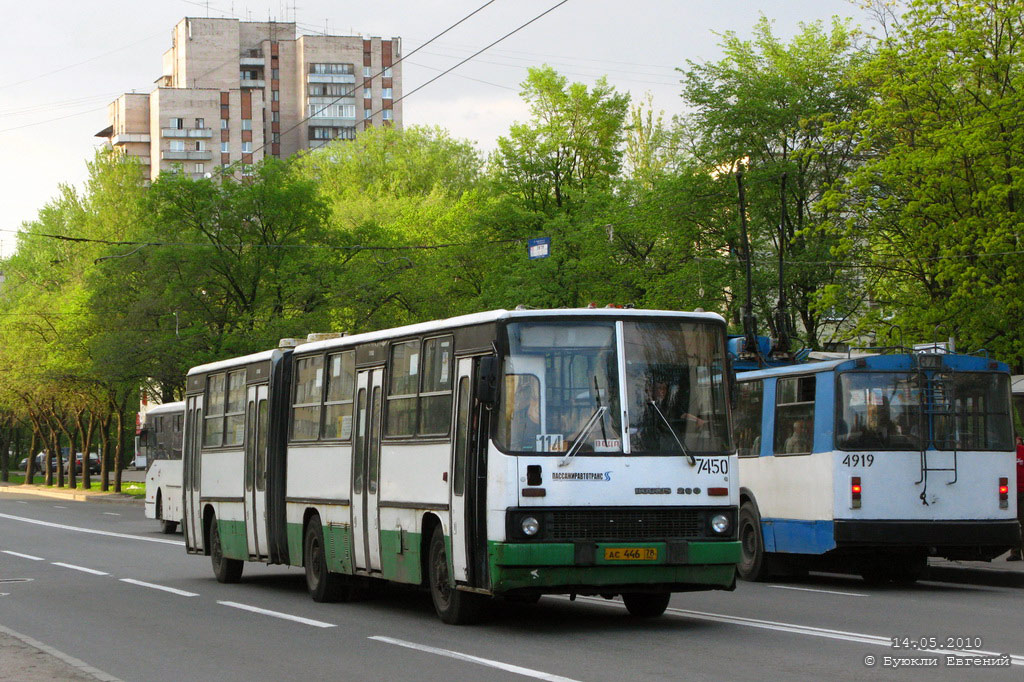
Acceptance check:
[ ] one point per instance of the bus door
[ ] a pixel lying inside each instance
(366, 470)
(191, 470)
(457, 490)
(256, 470)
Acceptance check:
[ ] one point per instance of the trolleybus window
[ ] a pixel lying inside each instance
(794, 415)
(749, 401)
(879, 411)
(309, 373)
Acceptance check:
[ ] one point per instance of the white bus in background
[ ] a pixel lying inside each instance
(160, 441)
(502, 454)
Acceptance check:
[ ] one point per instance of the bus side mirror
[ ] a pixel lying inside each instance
(487, 380)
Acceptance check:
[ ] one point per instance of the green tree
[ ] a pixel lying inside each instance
(935, 211)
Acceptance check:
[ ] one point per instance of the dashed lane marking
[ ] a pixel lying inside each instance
(23, 556)
(83, 569)
(77, 529)
(172, 590)
(809, 589)
(508, 667)
(278, 614)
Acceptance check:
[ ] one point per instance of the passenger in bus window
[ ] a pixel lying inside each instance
(800, 439)
(526, 413)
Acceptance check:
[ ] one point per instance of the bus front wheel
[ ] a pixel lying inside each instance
(753, 563)
(646, 605)
(453, 606)
(226, 570)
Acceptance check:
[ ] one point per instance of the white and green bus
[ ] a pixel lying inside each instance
(501, 454)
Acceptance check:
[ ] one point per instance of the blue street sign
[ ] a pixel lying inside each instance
(539, 247)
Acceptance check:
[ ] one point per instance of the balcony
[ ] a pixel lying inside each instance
(252, 61)
(125, 138)
(330, 78)
(250, 83)
(186, 132)
(186, 156)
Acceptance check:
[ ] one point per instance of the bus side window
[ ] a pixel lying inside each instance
(749, 400)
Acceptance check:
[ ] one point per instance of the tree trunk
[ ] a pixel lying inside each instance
(118, 447)
(86, 430)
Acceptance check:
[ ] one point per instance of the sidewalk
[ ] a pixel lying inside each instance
(998, 573)
(77, 495)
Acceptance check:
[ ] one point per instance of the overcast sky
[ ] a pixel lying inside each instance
(65, 60)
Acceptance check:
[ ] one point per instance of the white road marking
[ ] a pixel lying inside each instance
(111, 514)
(23, 556)
(278, 614)
(90, 530)
(83, 569)
(860, 638)
(808, 589)
(57, 506)
(518, 670)
(70, 660)
(172, 590)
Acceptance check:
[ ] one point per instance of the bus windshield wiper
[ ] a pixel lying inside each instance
(584, 432)
(689, 455)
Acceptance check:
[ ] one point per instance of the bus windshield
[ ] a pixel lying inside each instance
(563, 386)
(882, 411)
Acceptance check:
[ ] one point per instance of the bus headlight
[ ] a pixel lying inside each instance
(720, 523)
(530, 526)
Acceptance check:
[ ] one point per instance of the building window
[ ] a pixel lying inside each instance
(178, 123)
(200, 168)
(385, 93)
(275, 116)
(177, 145)
(223, 124)
(324, 68)
(367, 93)
(200, 146)
(332, 111)
(224, 149)
(275, 95)
(247, 147)
(367, 72)
(200, 123)
(275, 74)
(276, 138)
(387, 72)
(367, 113)
(246, 124)
(387, 115)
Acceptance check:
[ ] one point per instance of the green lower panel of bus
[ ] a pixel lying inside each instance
(550, 565)
(233, 543)
(337, 546)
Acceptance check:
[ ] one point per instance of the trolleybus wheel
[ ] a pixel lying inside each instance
(646, 604)
(753, 563)
(453, 606)
(226, 570)
(323, 586)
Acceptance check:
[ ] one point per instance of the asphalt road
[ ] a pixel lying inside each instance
(98, 584)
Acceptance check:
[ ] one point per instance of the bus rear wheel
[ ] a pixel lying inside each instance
(167, 527)
(646, 604)
(453, 606)
(753, 565)
(226, 570)
(323, 585)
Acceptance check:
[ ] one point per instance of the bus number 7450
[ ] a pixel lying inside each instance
(859, 460)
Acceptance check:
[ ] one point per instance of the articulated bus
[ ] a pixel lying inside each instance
(872, 464)
(500, 454)
(160, 442)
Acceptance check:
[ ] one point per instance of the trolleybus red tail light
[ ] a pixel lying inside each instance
(855, 491)
(1004, 492)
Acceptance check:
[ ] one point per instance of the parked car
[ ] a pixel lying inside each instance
(94, 464)
(40, 464)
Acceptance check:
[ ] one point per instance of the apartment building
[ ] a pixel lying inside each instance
(236, 91)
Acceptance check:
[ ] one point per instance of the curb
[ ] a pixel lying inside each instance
(65, 494)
